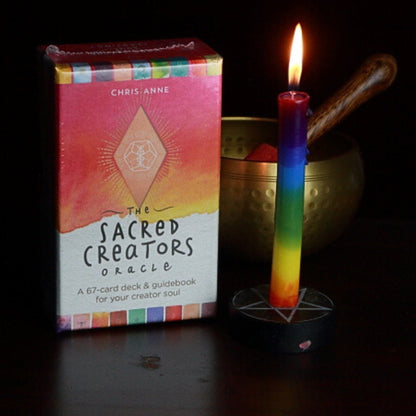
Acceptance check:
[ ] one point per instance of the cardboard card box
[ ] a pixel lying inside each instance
(135, 165)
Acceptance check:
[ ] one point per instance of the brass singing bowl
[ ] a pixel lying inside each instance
(334, 181)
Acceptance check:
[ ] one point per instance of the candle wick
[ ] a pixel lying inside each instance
(293, 88)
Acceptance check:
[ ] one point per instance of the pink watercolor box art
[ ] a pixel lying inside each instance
(134, 162)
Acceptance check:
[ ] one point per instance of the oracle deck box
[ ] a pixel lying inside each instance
(134, 150)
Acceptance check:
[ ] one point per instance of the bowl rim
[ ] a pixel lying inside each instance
(246, 118)
(353, 149)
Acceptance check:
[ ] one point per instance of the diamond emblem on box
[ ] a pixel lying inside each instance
(140, 155)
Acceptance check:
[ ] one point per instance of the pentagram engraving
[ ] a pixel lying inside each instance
(254, 303)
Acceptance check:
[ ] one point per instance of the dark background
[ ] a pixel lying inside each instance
(254, 39)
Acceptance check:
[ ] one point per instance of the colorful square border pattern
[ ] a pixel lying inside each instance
(82, 72)
(135, 316)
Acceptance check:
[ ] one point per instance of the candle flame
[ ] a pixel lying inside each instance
(295, 62)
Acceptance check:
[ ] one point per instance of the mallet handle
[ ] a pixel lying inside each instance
(374, 75)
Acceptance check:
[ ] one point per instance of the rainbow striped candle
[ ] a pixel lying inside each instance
(293, 107)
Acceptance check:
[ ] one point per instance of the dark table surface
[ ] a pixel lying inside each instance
(195, 368)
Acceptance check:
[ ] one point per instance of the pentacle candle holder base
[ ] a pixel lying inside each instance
(306, 327)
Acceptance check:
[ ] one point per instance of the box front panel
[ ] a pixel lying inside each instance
(138, 186)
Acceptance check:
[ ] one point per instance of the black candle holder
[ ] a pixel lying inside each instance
(306, 327)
